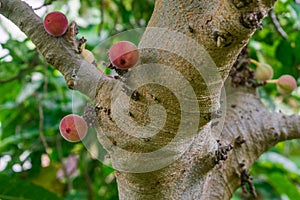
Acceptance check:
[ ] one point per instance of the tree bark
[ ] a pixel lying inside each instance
(188, 46)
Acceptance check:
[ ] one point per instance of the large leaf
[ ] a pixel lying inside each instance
(28, 90)
(276, 158)
(16, 189)
(284, 186)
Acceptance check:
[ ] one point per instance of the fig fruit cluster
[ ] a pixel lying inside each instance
(285, 84)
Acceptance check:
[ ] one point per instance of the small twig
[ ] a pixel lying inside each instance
(246, 179)
(277, 25)
(60, 156)
(19, 75)
(88, 179)
(35, 61)
(41, 126)
(45, 4)
(101, 16)
(41, 111)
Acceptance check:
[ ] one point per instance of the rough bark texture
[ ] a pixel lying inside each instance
(207, 169)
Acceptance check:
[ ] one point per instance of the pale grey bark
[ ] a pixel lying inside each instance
(222, 27)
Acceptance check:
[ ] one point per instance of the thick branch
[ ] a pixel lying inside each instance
(287, 127)
(252, 129)
(260, 128)
(222, 27)
(59, 52)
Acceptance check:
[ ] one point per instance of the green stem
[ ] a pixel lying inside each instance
(254, 62)
(272, 81)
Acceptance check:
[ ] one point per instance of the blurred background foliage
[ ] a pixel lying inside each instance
(34, 98)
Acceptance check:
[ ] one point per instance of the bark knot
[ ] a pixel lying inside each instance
(90, 116)
(240, 4)
(239, 140)
(221, 153)
(223, 39)
(246, 179)
(252, 20)
(241, 74)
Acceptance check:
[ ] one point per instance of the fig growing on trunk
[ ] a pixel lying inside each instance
(286, 84)
(263, 71)
(73, 128)
(123, 55)
(88, 55)
(56, 23)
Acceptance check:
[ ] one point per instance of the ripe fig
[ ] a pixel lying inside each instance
(123, 55)
(56, 23)
(73, 128)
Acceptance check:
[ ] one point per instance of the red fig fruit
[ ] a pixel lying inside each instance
(123, 55)
(73, 128)
(56, 23)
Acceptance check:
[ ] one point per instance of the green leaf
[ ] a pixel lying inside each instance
(283, 161)
(17, 189)
(28, 90)
(15, 139)
(284, 53)
(283, 185)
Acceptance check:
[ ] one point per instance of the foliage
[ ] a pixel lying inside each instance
(276, 173)
(25, 190)
(34, 98)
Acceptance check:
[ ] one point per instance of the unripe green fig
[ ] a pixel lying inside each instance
(89, 56)
(56, 23)
(286, 84)
(73, 128)
(263, 71)
(123, 55)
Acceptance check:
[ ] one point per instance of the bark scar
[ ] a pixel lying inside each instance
(90, 115)
(246, 179)
(242, 74)
(221, 153)
(252, 20)
(239, 140)
(240, 4)
(223, 39)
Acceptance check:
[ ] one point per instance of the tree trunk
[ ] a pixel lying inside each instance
(168, 132)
